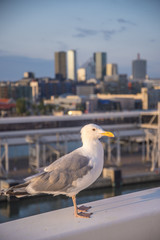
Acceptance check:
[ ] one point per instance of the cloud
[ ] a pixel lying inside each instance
(152, 40)
(82, 32)
(108, 34)
(79, 19)
(124, 21)
(122, 29)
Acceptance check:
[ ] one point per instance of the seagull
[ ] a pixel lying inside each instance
(71, 173)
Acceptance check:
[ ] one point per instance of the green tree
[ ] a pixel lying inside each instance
(41, 107)
(21, 106)
(80, 107)
(49, 108)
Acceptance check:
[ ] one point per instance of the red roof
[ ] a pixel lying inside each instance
(6, 104)
(4, 100)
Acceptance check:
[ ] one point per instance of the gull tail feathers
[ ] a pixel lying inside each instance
(17, 191)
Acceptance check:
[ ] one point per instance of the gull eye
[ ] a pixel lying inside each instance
(93, 129)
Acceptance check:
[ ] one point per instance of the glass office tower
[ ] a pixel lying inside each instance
(100, 59)
(60, 65)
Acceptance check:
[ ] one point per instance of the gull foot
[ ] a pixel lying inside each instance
(83, 215)
(83, 208)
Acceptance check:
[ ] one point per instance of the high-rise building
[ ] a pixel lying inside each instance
(89, 67)
(60, 65)
(81, 74)
(29, 75)
(71, 65)
(111, 69)
(139, 68)
(100, 59)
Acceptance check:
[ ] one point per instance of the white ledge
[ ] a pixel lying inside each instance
(128, 217)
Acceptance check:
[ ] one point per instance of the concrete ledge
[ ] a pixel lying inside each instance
(128, 217)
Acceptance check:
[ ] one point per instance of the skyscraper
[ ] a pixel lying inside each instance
(111, 69)
(139, 68)
(81, 74)
(71, 65)
(100, 65)
(89, 66)
(60, 65)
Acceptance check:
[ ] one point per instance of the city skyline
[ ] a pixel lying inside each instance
(32, 31)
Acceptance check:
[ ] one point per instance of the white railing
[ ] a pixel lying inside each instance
(128, 217)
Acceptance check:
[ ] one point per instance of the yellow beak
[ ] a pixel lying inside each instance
(108, 134)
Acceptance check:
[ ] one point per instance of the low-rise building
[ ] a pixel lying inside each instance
(85, 89)
(42, 89)
(74, 102)
(7, 107)
(146, 99)
(115, 84)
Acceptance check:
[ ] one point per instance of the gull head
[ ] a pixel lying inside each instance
(93, 132)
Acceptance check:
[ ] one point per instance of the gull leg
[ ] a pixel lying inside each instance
(79, 214)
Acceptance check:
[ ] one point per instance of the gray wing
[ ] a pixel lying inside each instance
(64, 171)
(63, 162)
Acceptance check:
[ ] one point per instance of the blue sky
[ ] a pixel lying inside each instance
(31, 31)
